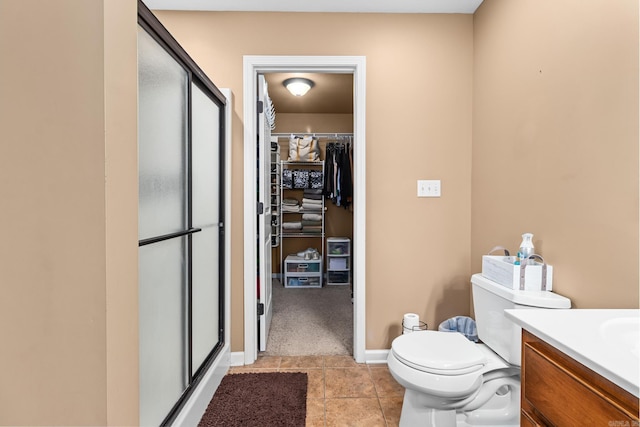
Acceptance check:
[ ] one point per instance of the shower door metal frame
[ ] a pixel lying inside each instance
(196, 76)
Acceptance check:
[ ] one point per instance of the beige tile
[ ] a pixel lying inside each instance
(340, 392)
(340, 362)
(307, 362)
(314, 422)
(391, 409)
(386, 385)
(348, 382)
(267, 362)
(315, 412)
(249, 369)
(355, 412)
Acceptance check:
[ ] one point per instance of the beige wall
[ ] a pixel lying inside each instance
(121, 210)
(555, 141)
(321, 123)
(557, 78)
(68, 310)
(419, 97)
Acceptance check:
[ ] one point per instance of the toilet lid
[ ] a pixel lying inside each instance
(442, 353)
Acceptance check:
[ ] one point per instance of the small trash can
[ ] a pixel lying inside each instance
(463, 324)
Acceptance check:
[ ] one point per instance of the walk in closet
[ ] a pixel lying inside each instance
(312, 215)
(313, 199)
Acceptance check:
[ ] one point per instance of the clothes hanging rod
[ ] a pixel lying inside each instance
(316, 134)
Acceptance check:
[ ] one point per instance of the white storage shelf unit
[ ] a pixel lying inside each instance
(338, 261)
(275, 195)
(294, 214)
(302, 273)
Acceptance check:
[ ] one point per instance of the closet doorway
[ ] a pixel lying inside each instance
(312, 311)
(355, 67)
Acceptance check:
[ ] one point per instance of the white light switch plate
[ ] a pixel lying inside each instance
(428, 188)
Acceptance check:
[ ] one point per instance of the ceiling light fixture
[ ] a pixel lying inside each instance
(298, 86)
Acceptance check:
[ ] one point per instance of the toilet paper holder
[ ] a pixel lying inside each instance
(413, 327)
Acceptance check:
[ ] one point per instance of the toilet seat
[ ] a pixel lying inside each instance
(440, 353)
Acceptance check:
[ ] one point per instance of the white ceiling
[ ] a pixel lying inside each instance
(372, 6)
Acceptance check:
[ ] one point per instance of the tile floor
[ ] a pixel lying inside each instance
(340, 391)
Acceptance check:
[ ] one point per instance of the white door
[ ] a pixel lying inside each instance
(264, 218)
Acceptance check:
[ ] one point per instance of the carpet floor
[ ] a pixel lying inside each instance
(311, 322)
(258, 400)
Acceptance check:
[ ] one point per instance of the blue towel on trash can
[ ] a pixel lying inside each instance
(463, 324)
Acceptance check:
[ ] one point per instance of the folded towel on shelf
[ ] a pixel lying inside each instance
(312, 191)
(290, 209)
(312, 217)
(308, 223)
(311, 208)
(292, 225)
(290, 202)
(312, 196)
(311, 202)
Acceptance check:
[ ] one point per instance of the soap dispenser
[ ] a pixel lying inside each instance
(526, 247)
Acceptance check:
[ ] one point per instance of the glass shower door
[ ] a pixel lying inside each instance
(205, 156)
(162, 211)
(181, 123)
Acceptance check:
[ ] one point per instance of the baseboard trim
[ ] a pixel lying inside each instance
(194, 408)
(373, 357)
(237, 358)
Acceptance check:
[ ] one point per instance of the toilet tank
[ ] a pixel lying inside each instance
(496, 331)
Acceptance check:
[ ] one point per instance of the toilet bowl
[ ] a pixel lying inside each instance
(451, 381)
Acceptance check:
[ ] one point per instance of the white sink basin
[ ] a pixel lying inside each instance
(622, 334)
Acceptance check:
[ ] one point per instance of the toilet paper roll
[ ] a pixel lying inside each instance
(410, 321)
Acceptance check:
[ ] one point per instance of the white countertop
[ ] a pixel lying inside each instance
(606, 341)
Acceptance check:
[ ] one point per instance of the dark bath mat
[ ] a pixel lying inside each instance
(258, 399)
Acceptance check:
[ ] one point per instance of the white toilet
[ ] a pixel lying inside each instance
(451, 381)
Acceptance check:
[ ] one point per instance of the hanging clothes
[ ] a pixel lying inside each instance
(338, 177)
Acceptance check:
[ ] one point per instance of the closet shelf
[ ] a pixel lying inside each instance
(307, 211)
(295, 163)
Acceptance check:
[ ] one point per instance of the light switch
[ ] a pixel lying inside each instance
(428, 188)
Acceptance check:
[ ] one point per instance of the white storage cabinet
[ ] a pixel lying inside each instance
(338, 261)
(302, 273)
(295, 215)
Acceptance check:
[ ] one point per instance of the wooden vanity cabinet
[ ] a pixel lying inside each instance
(559, 391)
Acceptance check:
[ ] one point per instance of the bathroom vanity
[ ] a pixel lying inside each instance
(579, 367)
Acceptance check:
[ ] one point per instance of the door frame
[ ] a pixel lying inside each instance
(252, 66)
